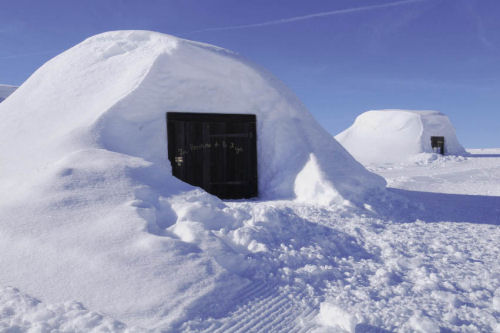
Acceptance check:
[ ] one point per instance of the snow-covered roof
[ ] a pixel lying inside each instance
(5, 91)
(380, 136)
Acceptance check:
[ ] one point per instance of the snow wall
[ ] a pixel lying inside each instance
(112, 92)
(89, 210)
(5, 91)
(389, 136)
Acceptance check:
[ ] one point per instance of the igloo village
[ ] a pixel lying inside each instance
(154, 184)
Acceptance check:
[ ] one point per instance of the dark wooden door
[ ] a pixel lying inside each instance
(437, 143)
(214, 151)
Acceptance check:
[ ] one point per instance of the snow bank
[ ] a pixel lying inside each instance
(22, 313)
(90, 211)
(388, 136)
(5, 91)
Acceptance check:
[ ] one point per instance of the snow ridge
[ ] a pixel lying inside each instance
(22, 313)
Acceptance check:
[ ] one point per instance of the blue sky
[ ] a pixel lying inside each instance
(340, 57)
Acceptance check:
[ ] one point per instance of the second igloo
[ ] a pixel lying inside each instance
(5, 91)
(392, 136)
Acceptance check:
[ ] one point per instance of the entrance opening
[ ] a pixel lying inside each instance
(437, 144)
(214, 151)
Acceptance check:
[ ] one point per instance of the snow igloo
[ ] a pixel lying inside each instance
(90, 210)
(392, 136)
(5, 91)
(113, 90)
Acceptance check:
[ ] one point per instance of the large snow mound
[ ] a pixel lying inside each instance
(388, 136)
(89, 209)
(112, 92)
(5, 91)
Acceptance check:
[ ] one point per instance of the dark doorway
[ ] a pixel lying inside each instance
(214, 151)
(437, 144)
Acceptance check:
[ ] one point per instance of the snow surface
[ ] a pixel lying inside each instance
(388, 136)
(430, 266)
(5, 91)
(101, 238)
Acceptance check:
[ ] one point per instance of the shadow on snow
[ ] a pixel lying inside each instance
(484, 155)
(443, 207)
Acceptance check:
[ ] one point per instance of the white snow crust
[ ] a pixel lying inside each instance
(388, 136)
(5, 91)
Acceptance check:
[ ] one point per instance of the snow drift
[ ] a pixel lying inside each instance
(387, 136)
(5, 91)
(90, 211)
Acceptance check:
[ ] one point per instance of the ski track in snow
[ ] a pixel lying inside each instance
(350, 270)
(266, 310)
